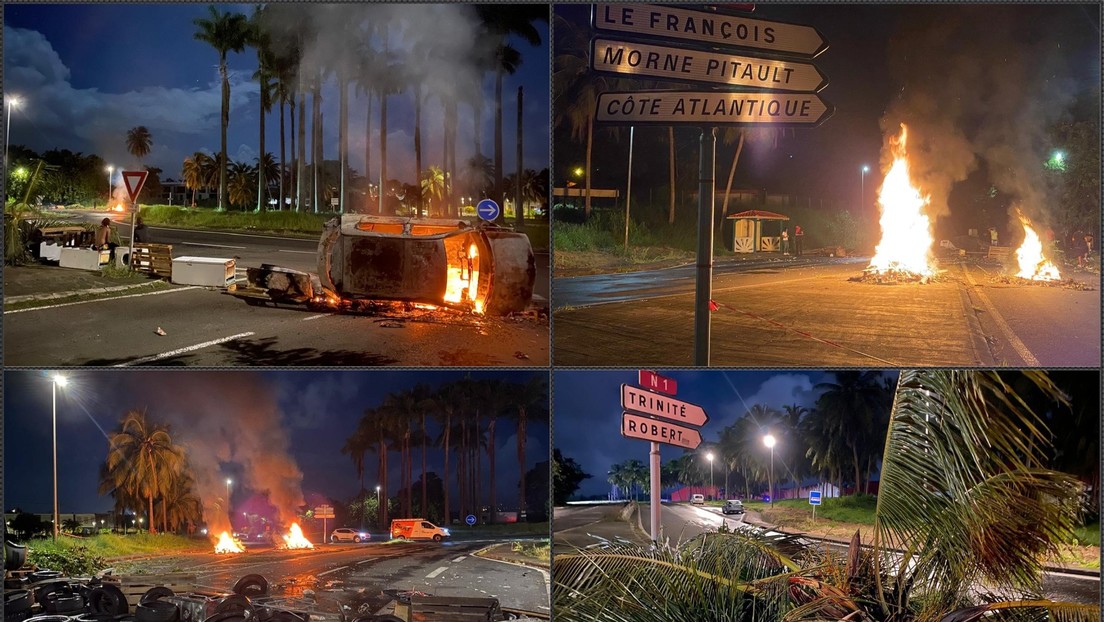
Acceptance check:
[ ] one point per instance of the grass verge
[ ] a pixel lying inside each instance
(140, 287)
(85, 556)
(536, 551)
(307, 224)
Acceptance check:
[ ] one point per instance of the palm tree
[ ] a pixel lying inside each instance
(143, 460)
(259, 39)
(479, 175)
(138, 141)
(226, 32)
(529, 399)
(356, 446)
(192, 172)
(449, 401)
(241, 183)
(855, 400)
(180, 502)
(434, 184)
(500, 22)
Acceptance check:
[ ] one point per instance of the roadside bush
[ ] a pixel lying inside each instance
(73, 561)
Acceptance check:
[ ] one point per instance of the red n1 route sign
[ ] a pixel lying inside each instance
(644, 402)
(134, 180)
(655, 382)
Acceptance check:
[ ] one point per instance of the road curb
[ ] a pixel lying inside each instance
(483, 553)
(80, 292)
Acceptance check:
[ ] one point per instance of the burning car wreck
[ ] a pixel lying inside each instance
(481, 269)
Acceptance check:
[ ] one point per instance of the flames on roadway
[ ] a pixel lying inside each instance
(293, 540)
(906, 243)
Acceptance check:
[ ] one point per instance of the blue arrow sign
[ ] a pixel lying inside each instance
(487, 209)
(471, 517)
(814, 497)
(766, 498)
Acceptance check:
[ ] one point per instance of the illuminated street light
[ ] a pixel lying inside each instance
(862, 178)
(769, 441)
(110, 170)
(12, 103)
(228, 482)
(57, 381)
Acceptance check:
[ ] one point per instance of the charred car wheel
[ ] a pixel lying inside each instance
(108, 599)
(157, 611)
(156, 593)
(251, 585)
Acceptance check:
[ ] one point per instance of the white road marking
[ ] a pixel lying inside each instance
(83, 302)
(198, 346)
(322, 574)
(280, 250)
(461, 558)
(436, 573)
(210, 245)
(1013, 340)
(315, 317)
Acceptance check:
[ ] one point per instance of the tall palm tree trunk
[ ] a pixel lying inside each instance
(521, 459)
(671, 158)
(448, 431)
(301, 163)
(317, 152)
(343, 141)
(262, 183)
(383, 150)
(418, 147)
(450, 157)
(477, 499)
(491, 466)
(589, 153)
(731, 174)
(283, 162)
(224, 124)
(368, 148)
(498, 190)
(425, 495)
(383, 484)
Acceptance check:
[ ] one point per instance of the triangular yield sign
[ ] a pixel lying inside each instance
(134, 180)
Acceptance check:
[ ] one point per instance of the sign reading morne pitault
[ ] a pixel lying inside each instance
(711, 108)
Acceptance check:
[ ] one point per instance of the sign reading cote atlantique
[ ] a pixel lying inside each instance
(711, 108)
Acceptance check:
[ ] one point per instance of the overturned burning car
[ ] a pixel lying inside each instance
(483, 269)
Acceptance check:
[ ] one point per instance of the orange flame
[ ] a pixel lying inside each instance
(906, 230)
(462, 284)
(119, 207)
(295, 538)
(227, 544)
(1033, 265)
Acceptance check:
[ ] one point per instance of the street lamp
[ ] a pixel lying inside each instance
(12, 103)
(139, 524)
(862, 178)
(709, 457)
(57, 380)
(110, 170)
(769, 441)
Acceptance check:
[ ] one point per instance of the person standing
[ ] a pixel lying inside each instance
(785, 241)
(798, 235)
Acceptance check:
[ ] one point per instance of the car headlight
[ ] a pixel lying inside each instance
(446, 532)
(363, 535)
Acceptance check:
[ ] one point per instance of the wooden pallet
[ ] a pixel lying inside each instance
(134, 586)
(154, 259)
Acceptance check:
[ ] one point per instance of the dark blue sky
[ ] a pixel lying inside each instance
(587, 407)
(89, 72)
(318, 410)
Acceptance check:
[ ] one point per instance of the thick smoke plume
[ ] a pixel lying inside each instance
(225, 418)
(986, 85)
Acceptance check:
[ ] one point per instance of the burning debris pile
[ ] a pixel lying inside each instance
(1034, 266)
(295, 539)
(228, 544)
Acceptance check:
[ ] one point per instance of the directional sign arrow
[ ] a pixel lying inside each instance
(659, 61)
(708, 108)
(709, 28)
(635, 426)
(657, 405)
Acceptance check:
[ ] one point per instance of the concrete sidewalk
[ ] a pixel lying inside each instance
(39, 282)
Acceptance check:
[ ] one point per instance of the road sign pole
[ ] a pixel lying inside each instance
(133, 217)
(628, 190)
(708, 159)
(655, 473)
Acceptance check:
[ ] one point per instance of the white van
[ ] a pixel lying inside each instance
(418, 529)
(697, 499)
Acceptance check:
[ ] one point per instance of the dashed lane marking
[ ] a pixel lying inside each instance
(322, 574)
(84, 302)
(436, 573)
(178, 351)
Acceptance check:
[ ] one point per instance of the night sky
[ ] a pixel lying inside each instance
(88, 73)
(318, 411)
(587, 410)
(979, 84)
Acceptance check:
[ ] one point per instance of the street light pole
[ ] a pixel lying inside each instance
(709, 456)
(12, 102)
(862, 193)
(110, 171)
(58, 379)
(769, 441)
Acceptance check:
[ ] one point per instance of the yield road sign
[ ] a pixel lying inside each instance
(487, 209)
(654, 381)
(709, 108)
(134, 180)
(647, 403)
(814, 497)
(635, 426)
(470, 519)
(658, 61)
(708, 28)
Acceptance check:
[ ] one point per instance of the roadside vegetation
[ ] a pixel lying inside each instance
(77, 556)
(538, 551)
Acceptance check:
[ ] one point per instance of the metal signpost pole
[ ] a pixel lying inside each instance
(655, 473)
(628, 190)
(133, 216)
(705, 245)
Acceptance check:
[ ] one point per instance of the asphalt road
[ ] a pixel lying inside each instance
(208, 327)
(806, 312)
(682, 522)
(353, 576)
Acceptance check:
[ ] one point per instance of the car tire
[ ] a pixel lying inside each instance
(108, 599)
(156, 593)
(236, 604)
(356, 539)
(17, 601)
(63, 603)
(92, 617)
(157, 611)
(251, 586)
(437, 537)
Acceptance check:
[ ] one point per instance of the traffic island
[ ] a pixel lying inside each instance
(536, 554)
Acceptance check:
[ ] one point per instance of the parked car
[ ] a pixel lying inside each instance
(345, 534)
(418, 529)
(733, 506)
(697, 499)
